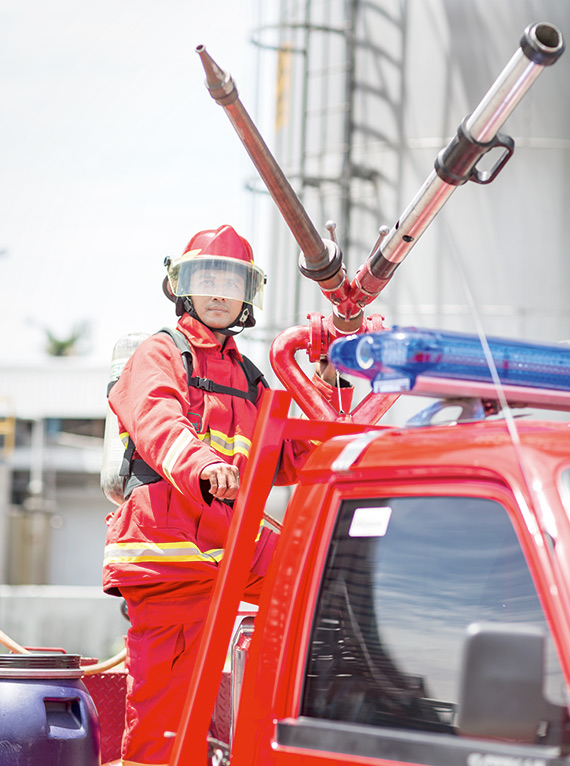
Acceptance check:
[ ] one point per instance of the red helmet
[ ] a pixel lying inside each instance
(217, 262)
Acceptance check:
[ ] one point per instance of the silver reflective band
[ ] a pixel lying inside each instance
(353, 451)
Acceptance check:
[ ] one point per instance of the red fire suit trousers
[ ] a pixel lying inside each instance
(167, 621)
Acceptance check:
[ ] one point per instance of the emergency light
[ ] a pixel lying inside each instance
(393, 359)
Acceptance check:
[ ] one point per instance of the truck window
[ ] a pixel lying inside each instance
(405, 577)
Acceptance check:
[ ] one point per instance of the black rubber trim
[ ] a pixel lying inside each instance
(456, 164)
(538, 55)
(404, 745)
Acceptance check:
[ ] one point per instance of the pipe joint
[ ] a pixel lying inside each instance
(325, 265)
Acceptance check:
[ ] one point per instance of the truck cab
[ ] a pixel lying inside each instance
(417, 608)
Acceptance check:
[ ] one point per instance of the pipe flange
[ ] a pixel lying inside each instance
(332, 253)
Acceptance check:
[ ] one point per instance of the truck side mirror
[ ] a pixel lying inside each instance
(502, 678)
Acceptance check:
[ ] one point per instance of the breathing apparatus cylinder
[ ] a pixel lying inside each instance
(112, 483)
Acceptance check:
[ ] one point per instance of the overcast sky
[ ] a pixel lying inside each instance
(112, 155)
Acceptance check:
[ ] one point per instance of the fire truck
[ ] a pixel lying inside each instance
(417, 609)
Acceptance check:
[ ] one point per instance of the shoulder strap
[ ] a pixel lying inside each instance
(253, 375)
(183, 346)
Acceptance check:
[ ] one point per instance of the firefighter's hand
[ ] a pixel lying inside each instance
(326, 371)
(223, 478)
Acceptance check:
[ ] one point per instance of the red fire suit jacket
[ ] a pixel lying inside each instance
(166, 531)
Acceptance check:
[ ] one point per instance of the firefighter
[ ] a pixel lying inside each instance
(188, 435)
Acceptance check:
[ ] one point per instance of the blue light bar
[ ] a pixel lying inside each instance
(393, 359)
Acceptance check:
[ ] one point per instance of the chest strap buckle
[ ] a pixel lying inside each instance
(205, 384)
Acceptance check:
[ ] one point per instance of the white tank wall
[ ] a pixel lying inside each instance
(511, 235)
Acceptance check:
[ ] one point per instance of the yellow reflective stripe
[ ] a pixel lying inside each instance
(227, 445)
(176, 449)
(147, 552)
(124, 437)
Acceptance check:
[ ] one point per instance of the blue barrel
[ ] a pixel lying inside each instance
(47, 717)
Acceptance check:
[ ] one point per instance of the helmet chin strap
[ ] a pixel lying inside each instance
(186, 305)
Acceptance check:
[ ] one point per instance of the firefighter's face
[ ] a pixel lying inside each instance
(217, 296)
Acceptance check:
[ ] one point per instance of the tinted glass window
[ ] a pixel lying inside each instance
(405, 578)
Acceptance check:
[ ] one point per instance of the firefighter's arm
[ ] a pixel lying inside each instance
(334, 388)
(326, 371)
(151, 400)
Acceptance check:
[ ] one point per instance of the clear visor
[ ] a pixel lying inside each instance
(217, 276)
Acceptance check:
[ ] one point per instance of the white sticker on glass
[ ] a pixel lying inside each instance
(370, 522)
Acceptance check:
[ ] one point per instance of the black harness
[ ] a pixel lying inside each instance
(138, 473)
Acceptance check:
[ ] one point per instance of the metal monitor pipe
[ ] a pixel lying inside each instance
(321, 260)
